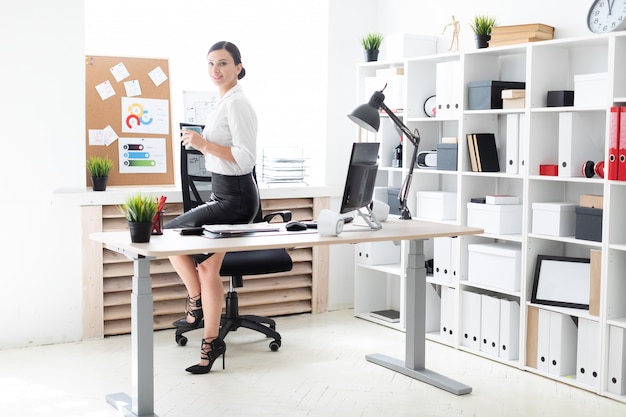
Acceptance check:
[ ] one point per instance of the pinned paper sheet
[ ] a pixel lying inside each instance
(119, 71)
(158, 76)
(132, 88)
(102, 137)
(105, 90)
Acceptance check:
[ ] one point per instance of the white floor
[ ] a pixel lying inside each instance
(320, 370)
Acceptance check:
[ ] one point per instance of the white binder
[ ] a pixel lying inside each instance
(617, 361)
(448, 326)
(512, 143)
(576, 143)
(563, 335)
(588, 353)
(447, 89)
(444, 255)
(543, 340)
(521, 156)
(509, 329)
(490, 325)
(470, 320)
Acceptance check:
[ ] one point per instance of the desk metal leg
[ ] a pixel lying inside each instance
(414, 365)
(141, 401)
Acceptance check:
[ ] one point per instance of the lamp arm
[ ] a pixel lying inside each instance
(403, 196)
(415, 139)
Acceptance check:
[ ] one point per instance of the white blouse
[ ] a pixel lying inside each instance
(232, 123)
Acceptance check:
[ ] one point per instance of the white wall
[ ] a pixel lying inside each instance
(301, 58)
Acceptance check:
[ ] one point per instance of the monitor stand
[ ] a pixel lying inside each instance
(370, 218)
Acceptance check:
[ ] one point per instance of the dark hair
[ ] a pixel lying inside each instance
(233, 51)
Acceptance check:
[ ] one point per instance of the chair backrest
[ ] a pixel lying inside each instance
(196, 180)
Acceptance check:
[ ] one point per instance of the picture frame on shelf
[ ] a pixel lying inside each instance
(561, 281)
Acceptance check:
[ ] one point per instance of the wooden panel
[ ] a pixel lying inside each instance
(289, 292)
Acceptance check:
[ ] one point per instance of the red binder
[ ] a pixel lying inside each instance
(621, 164)
(614, 123)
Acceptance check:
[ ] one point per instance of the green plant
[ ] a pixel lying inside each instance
(99, 167)
(372, 41)
(483, 24)
(139, 208)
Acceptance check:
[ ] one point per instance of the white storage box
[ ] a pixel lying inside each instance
(436, 205)
(495, 265)
(397, 46)
(377, 253)
(590, 89)
(554, 219)
(500, 219)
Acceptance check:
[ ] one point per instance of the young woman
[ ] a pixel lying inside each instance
(228, 143)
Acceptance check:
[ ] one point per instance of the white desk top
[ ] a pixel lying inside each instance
(172, 243)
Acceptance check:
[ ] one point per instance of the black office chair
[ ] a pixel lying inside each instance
(196, 187)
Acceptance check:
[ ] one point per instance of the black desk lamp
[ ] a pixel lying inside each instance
(367, 117)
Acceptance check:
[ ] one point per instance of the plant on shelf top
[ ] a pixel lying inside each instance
(372, 41)
(139, 208)
(483, 24)
(99, 167)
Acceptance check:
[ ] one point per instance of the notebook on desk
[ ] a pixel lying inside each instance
(234, 230)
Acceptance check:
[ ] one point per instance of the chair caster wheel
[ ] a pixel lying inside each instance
(181, 340)
(274, 345)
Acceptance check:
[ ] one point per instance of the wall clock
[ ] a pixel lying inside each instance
(607, 16)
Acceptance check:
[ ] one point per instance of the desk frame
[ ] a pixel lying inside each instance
(140, 402)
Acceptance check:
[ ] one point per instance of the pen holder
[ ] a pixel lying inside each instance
(157, 223)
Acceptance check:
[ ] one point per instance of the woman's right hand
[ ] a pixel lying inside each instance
(191, 138)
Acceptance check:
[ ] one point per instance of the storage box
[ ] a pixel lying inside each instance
(554, 219)
(500, 219)
(392, 200)
(377, 253)
(513, 99)
(398, 46)
(447, 156)
(591, 200)
(591, 90)
(561, 98)
(495, 265)
(485, 95)
(436, 205)
(588, 223)
(549, 170)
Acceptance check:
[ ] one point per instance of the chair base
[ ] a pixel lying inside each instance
(231, 321)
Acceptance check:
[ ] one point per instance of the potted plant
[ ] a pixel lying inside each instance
(371, 44)
(482, 26)
(99, 169)
(139, 210)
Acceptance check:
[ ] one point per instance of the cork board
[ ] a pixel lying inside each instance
(128, 118)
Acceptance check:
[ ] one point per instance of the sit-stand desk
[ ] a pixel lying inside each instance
(141, 400)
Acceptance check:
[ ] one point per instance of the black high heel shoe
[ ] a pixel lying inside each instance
(194, 309)
(209, 351)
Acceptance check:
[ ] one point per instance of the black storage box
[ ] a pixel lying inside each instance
(561, 98)
(486, 95)
(392, 200)
(588, 223)
(447, 156)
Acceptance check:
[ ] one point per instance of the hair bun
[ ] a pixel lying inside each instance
(242, 73)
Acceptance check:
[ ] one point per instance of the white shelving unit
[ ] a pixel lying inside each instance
(543, 66)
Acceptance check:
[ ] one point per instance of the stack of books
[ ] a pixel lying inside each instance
(510, 35)
(483, 152)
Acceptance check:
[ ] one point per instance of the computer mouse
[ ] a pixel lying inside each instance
(295, 226)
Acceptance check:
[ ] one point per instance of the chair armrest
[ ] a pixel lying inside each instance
(285, 215)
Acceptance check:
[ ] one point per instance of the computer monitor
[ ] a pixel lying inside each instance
(358, 191)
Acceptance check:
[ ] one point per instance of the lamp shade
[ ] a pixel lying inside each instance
(366, 115)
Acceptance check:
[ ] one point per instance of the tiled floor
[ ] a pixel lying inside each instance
(320, 370)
